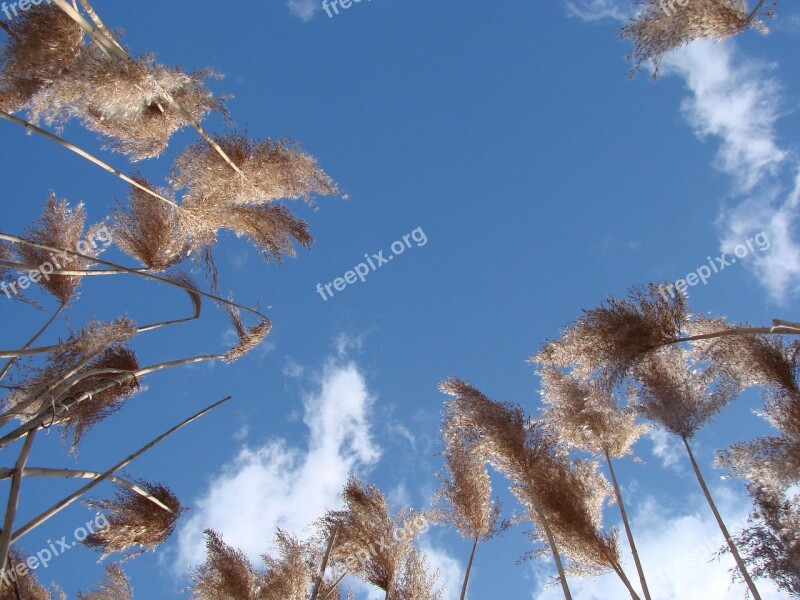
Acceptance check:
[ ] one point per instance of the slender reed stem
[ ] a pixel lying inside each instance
(754, 12)
(627, 524)
(13, 498)
(469, 567)
(80, 152)
(323, 567)
(537, 506)
(731, 545)
(62, 504)
(35, 336)
(76, 474)
(18, 240)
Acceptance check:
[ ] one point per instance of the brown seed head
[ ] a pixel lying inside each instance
(115, 587)
(135, 522)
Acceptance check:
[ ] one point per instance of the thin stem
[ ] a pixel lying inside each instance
(754, 12)
(777, 329)
(323, 567)
(68, 272)
(618, 569)
(62, 504)
(76, 474)
(469, 568)
(333, 587)
(627, 524)
(537, 506)
(13, 498)
(35, 336)
(18, 240)
(80, 152)
(731, 545)
(110, 46)
(98, 23)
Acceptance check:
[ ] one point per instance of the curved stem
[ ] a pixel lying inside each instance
(62, 504)
(627, 524)
(731, 545)
(469, 568)
(18, 240)
(80, 152)
(35, 336)
(777, 329)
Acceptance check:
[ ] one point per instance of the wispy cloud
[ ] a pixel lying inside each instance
(303, 9)
(668, 449)
(738, 102)
(279, 485)
(595, 10)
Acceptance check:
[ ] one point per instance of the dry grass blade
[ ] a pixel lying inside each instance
(135, 522)
(152, 232)
(269, 171)
(225, 575)
(662, 26)
(126, 104)
(29, 587)
(43, 44)
(249, 338)
(115, 587)
(607, 341)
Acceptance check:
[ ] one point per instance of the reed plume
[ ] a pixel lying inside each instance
(416, 581)
(608, 341)
(126, 103)
(659, 27)
(226, 574)
(136, 523)
(151, 232)
(26, 587)
(43, 43)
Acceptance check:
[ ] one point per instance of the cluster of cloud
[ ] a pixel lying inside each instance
(281, 486)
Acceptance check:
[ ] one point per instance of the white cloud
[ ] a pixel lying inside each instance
(595, 10)
(738, 102)
(668, 448)
(677, 553)
(303, 9)
(278, 485)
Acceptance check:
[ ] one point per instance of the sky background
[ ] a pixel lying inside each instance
(543, 180)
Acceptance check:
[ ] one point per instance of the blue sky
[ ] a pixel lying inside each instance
(543, 180)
